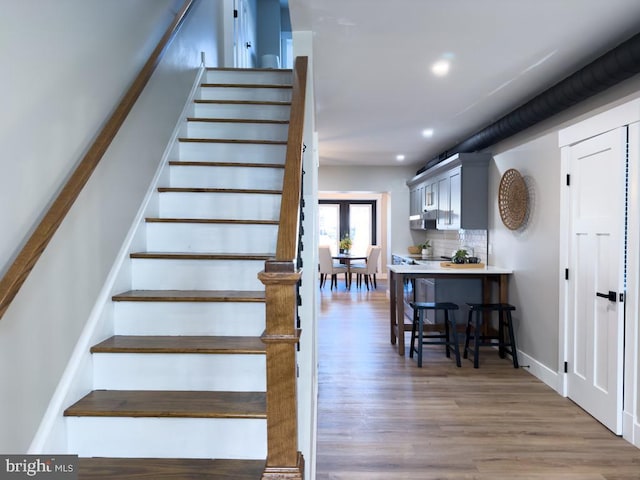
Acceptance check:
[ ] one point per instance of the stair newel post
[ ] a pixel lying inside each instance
(281, 277)
(281, 336)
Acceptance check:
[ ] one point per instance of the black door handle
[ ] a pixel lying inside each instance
(611, 296)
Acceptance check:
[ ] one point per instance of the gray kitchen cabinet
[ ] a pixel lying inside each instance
(416, 201)
(457, 188)
(444, 219)
(455, 199)
(431, 196)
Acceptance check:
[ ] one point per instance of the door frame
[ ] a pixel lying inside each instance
(619, 116)
(382, 219)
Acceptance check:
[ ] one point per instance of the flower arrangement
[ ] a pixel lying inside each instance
(346, 243)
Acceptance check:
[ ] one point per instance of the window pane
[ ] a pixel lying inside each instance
(329, 223)
(360, 227)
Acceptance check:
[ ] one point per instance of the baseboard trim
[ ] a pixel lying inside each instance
(630, 429)
(541, 372)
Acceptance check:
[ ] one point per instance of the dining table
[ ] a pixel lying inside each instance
(346, 259)
(398, 274)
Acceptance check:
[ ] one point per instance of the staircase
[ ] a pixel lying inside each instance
(183, 380)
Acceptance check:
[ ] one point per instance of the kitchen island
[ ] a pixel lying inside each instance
(399, 323)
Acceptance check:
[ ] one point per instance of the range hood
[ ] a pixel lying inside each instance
(424, 221)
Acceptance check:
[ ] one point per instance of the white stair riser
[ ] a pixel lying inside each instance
(246, 111)
(177, 371)
(225, 177)
(162, 274)
(161, 437)
(269, 77)
(229, 206)
(167, 437)
(204, 238)
(245, 94)
(189, 318)
(238, 131)
(230, 152)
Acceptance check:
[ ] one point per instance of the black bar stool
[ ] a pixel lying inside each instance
(481, 340)
(450, 336)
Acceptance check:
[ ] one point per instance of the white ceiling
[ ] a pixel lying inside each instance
(375, 92)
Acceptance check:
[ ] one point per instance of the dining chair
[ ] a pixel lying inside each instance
(369, 269)
(361, 262)
(329, 267)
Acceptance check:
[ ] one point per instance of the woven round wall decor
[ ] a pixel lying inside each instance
(512, 199)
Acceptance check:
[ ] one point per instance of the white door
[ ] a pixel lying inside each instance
(596, 276)
(241, 40)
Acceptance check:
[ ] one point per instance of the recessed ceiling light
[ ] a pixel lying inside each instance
(427, 132)
(400, 158)
(440, 68)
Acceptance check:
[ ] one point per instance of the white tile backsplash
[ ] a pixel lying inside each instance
(446, 242)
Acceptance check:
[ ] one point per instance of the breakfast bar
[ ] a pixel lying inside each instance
(435, 269)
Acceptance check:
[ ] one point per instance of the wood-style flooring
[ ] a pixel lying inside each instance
(382, 418)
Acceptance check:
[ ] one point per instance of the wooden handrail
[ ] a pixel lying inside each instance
(30, 253)
(286, 249)
(281, 278)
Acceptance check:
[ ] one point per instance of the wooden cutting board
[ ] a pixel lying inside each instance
(461, 265)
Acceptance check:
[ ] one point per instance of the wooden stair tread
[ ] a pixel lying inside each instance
(247, 85)
(180, 344)
(219, 190)
(177, 163)
(101, 468)
(232, 140)
(248, 70)
(169, 403)
(190, 296)
(245, 102)
(237, 120)
(203, 256)
(211, 220)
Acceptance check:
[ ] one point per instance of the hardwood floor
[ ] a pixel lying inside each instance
(381, 417)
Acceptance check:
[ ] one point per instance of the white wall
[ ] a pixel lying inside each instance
(307, 357)
(533, 250)
(268, 27)
(67, 63)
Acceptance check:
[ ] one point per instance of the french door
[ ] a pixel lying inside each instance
(353, 218)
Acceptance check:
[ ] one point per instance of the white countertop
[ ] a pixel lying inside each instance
(435, 267)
